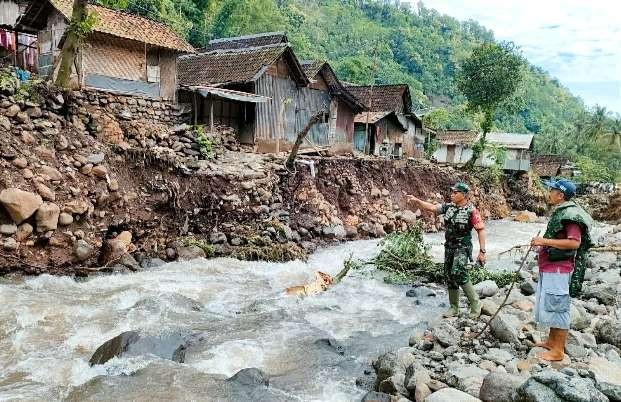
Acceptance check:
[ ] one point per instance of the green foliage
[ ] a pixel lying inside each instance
(404, 257)
(188, 241)
(205, 144)
(84, 27)
(593, 171)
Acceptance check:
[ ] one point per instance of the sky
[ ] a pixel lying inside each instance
(576, 41)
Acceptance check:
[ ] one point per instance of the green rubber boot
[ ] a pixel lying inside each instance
(473, 298)
(453, 310)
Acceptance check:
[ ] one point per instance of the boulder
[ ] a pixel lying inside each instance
(47, 217)
(190, 253)
(607, 376)
(551, 385)
(23, 231)
(408, 217)
(525, 216)
(100, 171)
(133, 343)
(250, 376)
(528, 287)
(603, 260)
(217, 238)
(115, 249)
(8, 229)
(96, 158)
(65, 219)
(467, 378)
(506, 328)
(498, 356)
(445, 334)
(82, 250)
(487, 288)
(45, 192)
(580, 319)
(50, 173)
(12, 110)
(393, 385)
(373, 396)
(488, 307)
(604, 293)
(450, 395)
(392, 363)
(10, 244)
(499, 387)
(78, 206)
(610, 332)
(20, 204)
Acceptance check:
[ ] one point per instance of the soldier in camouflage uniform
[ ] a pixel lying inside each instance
(460, 217)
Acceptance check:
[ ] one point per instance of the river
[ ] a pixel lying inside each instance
(50, 326)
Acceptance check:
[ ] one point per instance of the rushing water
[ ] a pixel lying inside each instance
(50, 326)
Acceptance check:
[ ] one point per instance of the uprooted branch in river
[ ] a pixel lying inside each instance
(405, 258)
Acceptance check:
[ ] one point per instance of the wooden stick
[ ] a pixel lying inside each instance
(504, 302)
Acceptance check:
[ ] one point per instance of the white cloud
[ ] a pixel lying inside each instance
(576, 41)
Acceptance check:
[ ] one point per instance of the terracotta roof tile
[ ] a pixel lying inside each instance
(227, 66)
(383, 97)
(129, 26)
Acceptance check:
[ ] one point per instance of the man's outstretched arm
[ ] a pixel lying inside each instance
(427, 206)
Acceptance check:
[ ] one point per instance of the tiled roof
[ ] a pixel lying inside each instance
(383, 97)
(232, 66)
(129, 26)
(454, 137)
(548, 165)
(240, 42)
(312, 67)
(372, 117)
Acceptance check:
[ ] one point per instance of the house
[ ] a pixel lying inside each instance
(16, 47)
(256, 84)
(455, 148)
(388, 127)
(547, 166)
(125, 53)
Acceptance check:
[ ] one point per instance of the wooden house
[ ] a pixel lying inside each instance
(455, 148)
(257, 85)
(125, 53)
(388, 127)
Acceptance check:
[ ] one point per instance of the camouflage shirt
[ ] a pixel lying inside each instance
(459, 222)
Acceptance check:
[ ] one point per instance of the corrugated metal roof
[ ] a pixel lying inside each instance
(511, 140)
(229, 94)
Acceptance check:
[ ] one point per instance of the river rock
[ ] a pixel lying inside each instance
(65, 219)
(445, 334)
(498, 356)
(551, 385)
(603, 260)
(8, 229)
(47, 217)
(392, 363)
(20, 163)
(50, 173)
(100, 171)
(133, 343)
(450, 395)
(20, 204)
(505, 328)
(217, 238)
(467, 378)
(394, 385)
(487, 288)
(610, 332)
(525, 216)
(77, 206)
(24, 231)
(12, 110)
(580, 319)
(528, 287)
(190, 253)
(488, 307)
(96, 159)
(408, 217)
(581, 339)
(10, 244)
(250, 376)
(373, 396)
(82, 250)
(45, 192)
(499, 387)
(604, 293)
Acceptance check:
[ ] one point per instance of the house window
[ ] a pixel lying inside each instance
(153, 73)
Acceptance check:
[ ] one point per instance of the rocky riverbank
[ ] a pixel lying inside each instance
(93, 180)
(445, 364)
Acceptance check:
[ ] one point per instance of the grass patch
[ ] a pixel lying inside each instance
(200, 243)
(270, 253)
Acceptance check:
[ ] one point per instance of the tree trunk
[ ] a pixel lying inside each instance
(479, 149)
(70, 47)
(301, 135)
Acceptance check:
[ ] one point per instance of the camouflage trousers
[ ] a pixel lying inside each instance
(577, 277)
(456, 266)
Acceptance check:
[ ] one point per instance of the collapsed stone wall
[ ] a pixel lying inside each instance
(70, 185)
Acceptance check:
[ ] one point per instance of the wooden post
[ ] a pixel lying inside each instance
(210, 114)
(16, 47)
(195, 104)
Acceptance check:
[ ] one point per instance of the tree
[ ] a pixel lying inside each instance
(81, 25)
(488, 79)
